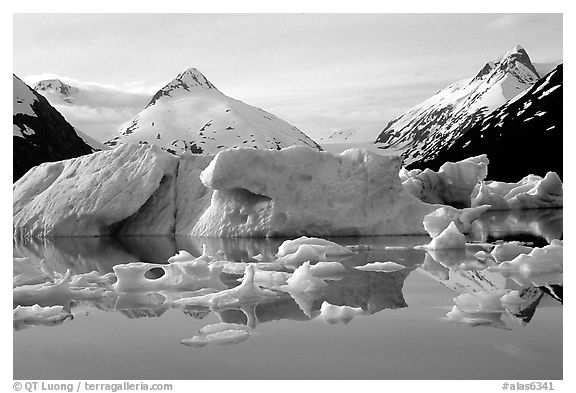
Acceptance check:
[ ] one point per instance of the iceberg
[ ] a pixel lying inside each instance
(301, 191)
(128, 190)
(142, 190)
(451, 185)
(532, 192)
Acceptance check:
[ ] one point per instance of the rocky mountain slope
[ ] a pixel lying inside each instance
(522, 137)
(435, 124)
(40, 132)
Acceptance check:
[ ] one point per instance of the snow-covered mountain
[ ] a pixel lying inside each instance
(191, 114)
(40, 133)
(522, 137)
(439, 121)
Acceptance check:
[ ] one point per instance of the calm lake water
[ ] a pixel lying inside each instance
(404, 335)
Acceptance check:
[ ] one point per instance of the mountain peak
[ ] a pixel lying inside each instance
(54, 85)
(188, 80)
(518, 55)
(193, 77)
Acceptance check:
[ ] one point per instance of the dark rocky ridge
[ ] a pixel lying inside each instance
(522, 137)
(53, 139)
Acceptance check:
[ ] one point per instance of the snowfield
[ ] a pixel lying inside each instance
(191, 114)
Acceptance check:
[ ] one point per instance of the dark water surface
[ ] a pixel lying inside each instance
(404, 335)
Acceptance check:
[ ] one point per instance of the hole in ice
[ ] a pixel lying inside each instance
(154, 273)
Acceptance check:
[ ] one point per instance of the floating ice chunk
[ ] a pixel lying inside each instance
(332, 314)
(479, 302)
(509, 251)
(57, 293)
(329, 248)
(327, 269)
(385, 267)
(298, 190)
(92, 279)
(304, 287)
(449, 238)
(189, 276)
(532, 192)
(540, 267)
(182, 256)
(224, 337)
(451, 185)
(36, 315)
(245, 293)
(304, 253)
(493, 319)
(439, 219)
(222, 326)
(303, 280)
(29, 272)
(478, 309)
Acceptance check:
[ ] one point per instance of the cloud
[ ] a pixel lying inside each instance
(97, 109)
(510, 20)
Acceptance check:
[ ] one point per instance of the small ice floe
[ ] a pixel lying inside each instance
(385, 267)
(508, 251)
(188, 275)
(305, 252)
(332, 314)
(222, 326)
(184, 256)
(245, 293)
(478, 309)
(542, 266)
(324, 246)
(58, 292)
(304, 288)
(37, 315)
(327, 269)
(29, 272)
(219, 334)
(449, 238)
(532, 192)
(439, 219)
(487, 307)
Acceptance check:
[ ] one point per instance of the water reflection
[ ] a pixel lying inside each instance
(370, 292)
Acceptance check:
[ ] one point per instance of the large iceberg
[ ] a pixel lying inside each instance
(300, 191)
(129, 190)
(142, 190)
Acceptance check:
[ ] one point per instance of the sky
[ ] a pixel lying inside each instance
(319, 72)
